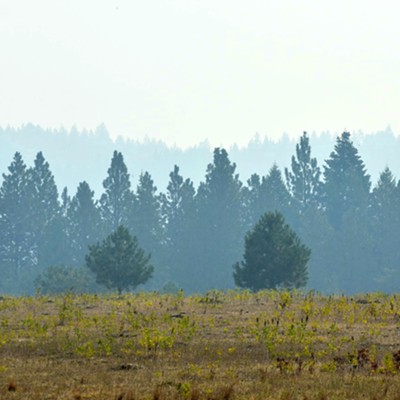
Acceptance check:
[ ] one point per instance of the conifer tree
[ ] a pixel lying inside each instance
(347, 184)
(15, 228)
(268, 193)
(178, 211)
(276, 193)
(219, 225)
(118, 262)
(84, 222)
(274, 256)
(303, 180)
(146, 220)
(384, 228)
(46, 225)
(117, 201)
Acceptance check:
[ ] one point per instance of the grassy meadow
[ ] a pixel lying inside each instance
(218, 346)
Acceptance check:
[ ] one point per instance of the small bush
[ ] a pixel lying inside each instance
(58, 279)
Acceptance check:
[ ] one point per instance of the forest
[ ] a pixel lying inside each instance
(195, 232)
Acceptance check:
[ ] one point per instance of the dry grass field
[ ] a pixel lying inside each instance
(218, 346)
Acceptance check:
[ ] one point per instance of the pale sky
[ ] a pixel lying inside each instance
(188, 70)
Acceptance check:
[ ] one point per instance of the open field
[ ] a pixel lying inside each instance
(235, 345)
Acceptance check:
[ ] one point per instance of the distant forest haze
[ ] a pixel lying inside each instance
(61, 192)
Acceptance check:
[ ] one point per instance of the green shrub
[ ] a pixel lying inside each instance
(58, 279)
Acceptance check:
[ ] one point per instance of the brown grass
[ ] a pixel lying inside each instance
(220, 346)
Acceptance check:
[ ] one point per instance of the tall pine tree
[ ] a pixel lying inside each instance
(84, 223)
(45, 213)
(347, 184)
(178, 210)
(219, 227)
(303, 180)
(117, 200)
(15, 228)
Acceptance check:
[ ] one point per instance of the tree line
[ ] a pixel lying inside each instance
(196, 234)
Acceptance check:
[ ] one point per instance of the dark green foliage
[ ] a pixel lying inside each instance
(118, 262)
(274, 257)
(58, 279)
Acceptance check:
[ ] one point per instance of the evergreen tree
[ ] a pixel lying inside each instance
(347, 184)
(219, 225)
(274, 256)
(117, 200)
(178, 210)
(15, 228)
(303, 180)
(146, 220)
(268, 193)
(384, 227)
(147, 225)
(118, 262)
(317, 234)
(254, 200)
(46, 225)
(84, 222)
(276, 194)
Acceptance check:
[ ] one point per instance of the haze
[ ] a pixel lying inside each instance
(185, 71)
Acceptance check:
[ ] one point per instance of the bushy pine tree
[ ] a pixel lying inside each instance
(118, 262)
(274, 256)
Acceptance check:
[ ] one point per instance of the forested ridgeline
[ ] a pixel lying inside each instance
(195, 232)
(81, 155)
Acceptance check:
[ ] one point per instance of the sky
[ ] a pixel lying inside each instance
(186, 71)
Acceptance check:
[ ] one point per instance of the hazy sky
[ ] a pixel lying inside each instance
(186, 70)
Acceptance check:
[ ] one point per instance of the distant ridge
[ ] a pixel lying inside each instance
(76, 155)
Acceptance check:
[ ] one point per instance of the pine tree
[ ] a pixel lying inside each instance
(303, 180)
(118, 262)
(275, 192)
(219, 224)
(15, 228)
(146, 221)
(178, 210)
(84, 222)
(274, 256)
(268, 193)
(254, 201)
(117, 201)
(44, 212)
(384, 227)
(347, 184)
